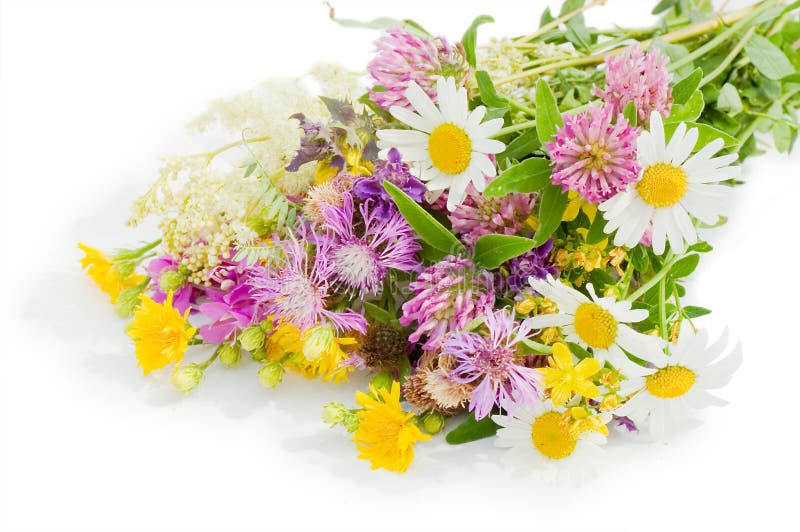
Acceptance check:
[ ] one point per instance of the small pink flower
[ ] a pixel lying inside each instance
(639, 77)
(593, 156)
(403, 57)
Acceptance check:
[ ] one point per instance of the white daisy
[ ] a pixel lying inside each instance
(448, 146)
(679, 383)
(541, 438)
(670, 189)
(597, 323)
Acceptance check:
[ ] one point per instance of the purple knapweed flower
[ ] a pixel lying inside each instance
(396, 172)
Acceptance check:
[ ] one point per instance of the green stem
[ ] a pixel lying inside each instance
(537, 347)
(520, 107)
(208, 362)
(722, 37)
(662, 307)
(642, 290)
(728, 58)
(514, 128)
(625, 282)
(560, 20)
(211, 154)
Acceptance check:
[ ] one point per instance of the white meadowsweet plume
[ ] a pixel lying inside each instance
(665, 395)
(449, 146)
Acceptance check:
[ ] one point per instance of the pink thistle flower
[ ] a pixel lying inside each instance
(298, 290)
(592, 156)
(403, 57)
(639, 77)
(479, 215)
(492, 360)
(447, 297)
(361, 259)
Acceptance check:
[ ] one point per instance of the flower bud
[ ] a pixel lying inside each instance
(336, 414)
(229, 354)
(252, 338)
(259, 355)
(317, 341)
(271, 374)
(128, 300)
(171, 280)
(187, 378)
(266, 326)
(433, 422)
(382, 381)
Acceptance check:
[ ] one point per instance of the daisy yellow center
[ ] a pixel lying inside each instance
(662, 185)
(552, 437)
(450, 149)
(595, 325)
(671, 381)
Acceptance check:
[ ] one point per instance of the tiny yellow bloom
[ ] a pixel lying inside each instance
(105, 274)
(386, 434)
(564, 377)
(160, 333)
(576, 205)
(287, 344)
(582, 421)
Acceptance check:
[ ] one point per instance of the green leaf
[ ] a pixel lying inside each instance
(425, 225)
(376, 313)
(639, 258)
(528, 176)
(552, 205)
(493, 250)
(489, 95)
(548, 118)
(471, 36)
(768, 58)
(685, 266)
(522, 146)
(729, 100)
(695, 312)
(688, 112)
(705, 132)
(596, 233)
(576, 31)
(579, 351)
(663, 5)
(471, 430)
(701, 247)
(685, 88)
(631, 114)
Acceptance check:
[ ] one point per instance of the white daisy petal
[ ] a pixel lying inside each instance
(412, 119)
(422, 103)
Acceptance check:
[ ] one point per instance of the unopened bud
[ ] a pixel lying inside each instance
(128, 300)
(433, 422)
(252, 338)
(171, 280)
(382, 381)
(337, 414)
(230, 354)
(271, 374)
(259, 355)
(187, 378)
(266, 326)
(317, 341)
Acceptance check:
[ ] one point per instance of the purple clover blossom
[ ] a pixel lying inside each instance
(297, 291)
(492, 361)
(447, 297)
(183, 297)
(396, 172)
(361, 261)
(534, 263)
(231, 303)
(403, 57)
(479, 215)
(593, 156)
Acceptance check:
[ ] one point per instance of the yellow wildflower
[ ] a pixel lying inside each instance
(564, 377)
(160, 333)
(582, 421)
(104, 272)
(576, 205)
(287, 342)
(385, 434)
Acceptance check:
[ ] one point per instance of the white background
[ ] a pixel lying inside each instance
(91, 93)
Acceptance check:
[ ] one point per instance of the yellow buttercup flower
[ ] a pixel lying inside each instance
(160, 333)
(564, 377)
(582, 421)
(385, 434)
(105, 274)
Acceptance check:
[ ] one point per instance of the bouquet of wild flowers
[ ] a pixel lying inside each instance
(497, 234)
